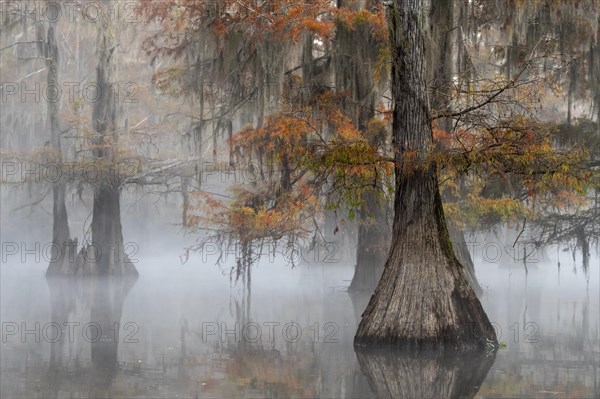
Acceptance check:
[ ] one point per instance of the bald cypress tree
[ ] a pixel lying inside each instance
(423, 298)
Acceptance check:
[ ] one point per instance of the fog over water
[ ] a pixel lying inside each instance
(190, 330)
(158, 146)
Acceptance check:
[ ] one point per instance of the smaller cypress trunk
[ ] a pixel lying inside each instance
(440, 70)
(109, 255)
(595, 72)
(461, 250)
(571, 92)
(186, 200)
(373, 245)
(60, 221)
(107, 234)
(355, 54)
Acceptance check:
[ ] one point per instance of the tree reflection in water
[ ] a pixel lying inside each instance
(420, 374)
(87, 357)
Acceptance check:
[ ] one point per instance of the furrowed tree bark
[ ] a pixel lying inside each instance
(440, 58)
(423, 298)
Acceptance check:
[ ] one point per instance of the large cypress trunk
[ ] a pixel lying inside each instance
(440, 58)
(423, 298)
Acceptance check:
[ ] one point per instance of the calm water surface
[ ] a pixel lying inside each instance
(188, 331)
